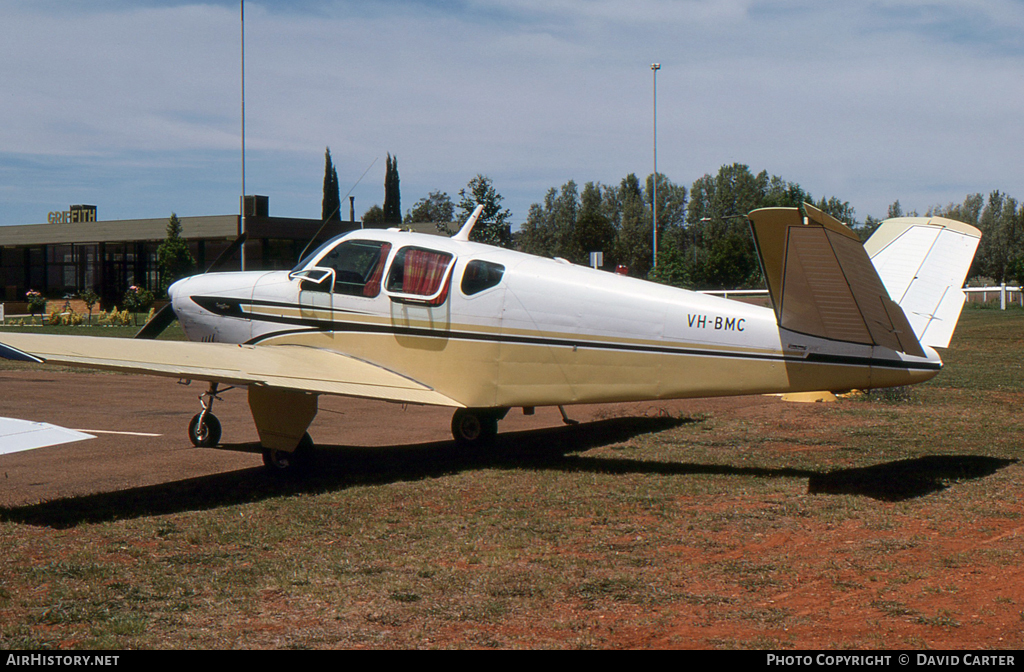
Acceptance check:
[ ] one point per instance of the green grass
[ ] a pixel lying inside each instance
(879, 523)
(173, 331)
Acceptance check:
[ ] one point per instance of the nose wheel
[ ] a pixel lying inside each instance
(204, 430)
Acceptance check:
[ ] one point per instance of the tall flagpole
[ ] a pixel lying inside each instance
(242, 206)
(654, 182)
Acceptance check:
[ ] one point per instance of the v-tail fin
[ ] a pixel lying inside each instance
(822, 282)
(923, 262)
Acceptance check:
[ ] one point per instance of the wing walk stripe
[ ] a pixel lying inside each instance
(236, 309)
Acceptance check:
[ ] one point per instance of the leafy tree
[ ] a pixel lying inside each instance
(1001, 250)
(173, 257)
(1000, 255)
(392, 197)
(629, 211)
(841, 210)
(782, 194)
(494, 225)
(895, 210)
(968, 212)
(435, 207)
(331, 208)
(725, 256)
(671, 208)
(704, 237)
(90, 298)
(613, 220)
(374, 216)
(594, 231)
(868, 227)
(549, 227)
(136, 300)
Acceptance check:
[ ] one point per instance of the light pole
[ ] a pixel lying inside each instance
(242, 209)
(654, 181)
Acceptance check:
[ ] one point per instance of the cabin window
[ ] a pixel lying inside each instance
(480, 275)
(358, 266)
(419, 272)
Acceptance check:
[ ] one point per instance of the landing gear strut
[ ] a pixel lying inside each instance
(204, 428)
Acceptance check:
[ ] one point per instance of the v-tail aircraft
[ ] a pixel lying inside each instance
(421, 319)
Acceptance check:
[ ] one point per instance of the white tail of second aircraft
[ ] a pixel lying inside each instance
(923, 261)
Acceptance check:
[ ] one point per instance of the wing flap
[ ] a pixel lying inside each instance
(292, 367)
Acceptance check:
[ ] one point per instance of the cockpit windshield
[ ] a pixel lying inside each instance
(358, 266)
(304, 261)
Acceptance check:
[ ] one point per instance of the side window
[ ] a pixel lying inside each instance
(419, 272)
(480, 275)
(358, 266)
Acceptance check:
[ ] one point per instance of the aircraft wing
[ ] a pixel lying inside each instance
(18, 435)
(290, 367)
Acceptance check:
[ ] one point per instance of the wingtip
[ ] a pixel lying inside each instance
(15, 355)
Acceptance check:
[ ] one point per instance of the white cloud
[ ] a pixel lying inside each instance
(868, 101)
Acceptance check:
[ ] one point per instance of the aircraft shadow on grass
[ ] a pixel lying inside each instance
(340, 467)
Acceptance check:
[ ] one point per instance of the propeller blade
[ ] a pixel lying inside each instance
(160, 321)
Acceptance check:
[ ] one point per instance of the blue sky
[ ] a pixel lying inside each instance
(134, 105)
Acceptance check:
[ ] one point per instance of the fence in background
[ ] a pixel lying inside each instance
(1006, 293)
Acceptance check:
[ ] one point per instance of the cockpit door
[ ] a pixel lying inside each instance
(343, 279)
(315, 285)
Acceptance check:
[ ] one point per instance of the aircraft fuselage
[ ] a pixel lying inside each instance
(493, 328)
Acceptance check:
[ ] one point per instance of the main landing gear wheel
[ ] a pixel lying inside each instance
(204, 430)
(282, 462)
(473, 427)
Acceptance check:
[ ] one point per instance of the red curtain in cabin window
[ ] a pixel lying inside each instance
(424, 271)
(372, 287)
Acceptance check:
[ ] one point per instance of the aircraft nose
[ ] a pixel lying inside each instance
(177, 291)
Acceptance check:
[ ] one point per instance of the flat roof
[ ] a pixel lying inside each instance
(208, 227)
(117, 231)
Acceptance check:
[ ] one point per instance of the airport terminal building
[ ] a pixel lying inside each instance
(75, 250)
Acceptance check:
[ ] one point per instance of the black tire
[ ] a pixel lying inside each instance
(473, 427)
(204, 434)
(284, 463)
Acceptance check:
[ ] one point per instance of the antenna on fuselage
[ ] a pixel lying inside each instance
(467, 228)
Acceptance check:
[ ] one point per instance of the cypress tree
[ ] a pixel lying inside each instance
(331, 209)
(392, 197)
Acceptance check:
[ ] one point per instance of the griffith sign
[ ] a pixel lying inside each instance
(76, 213)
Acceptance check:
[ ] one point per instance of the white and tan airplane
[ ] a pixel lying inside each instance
(422, 319)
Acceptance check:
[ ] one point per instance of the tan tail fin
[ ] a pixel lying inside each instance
(822, 282)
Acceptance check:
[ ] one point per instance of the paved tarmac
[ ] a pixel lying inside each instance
(117, 408)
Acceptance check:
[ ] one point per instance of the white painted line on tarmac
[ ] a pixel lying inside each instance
(107, 431)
